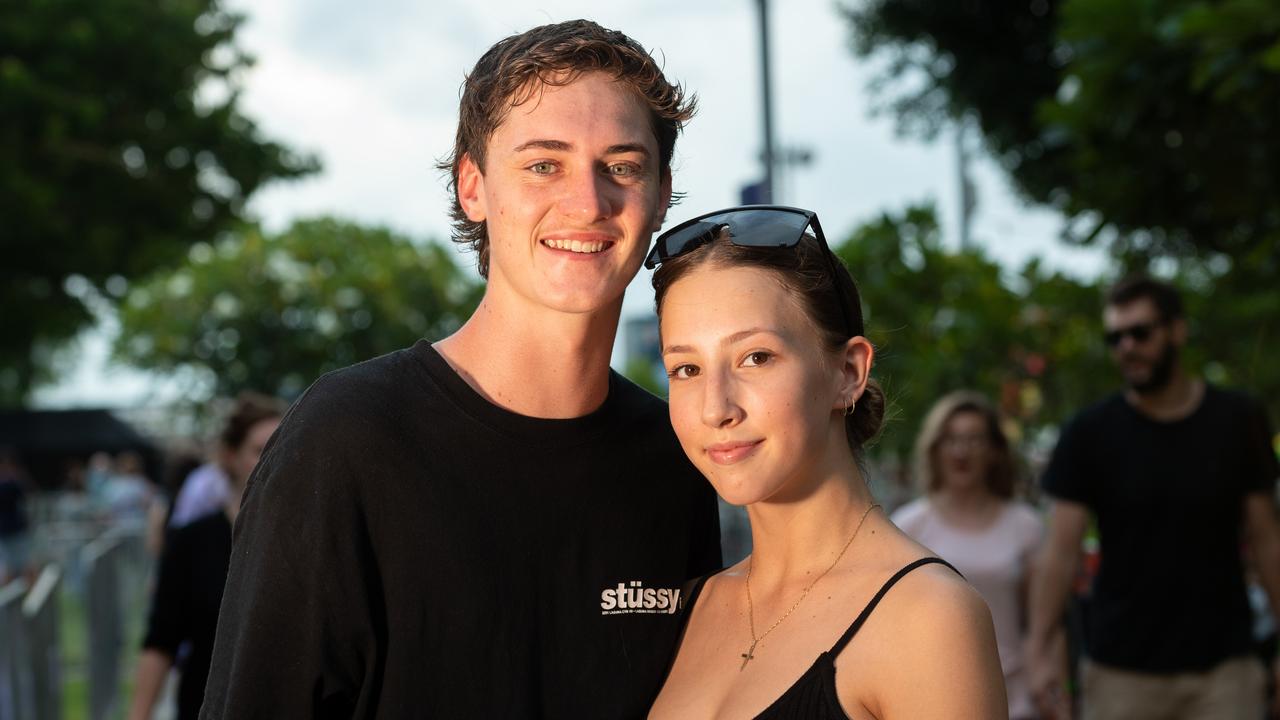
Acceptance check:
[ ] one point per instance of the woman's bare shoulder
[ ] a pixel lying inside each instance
(937, 647)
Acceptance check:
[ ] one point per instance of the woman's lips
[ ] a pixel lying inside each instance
(728, 453)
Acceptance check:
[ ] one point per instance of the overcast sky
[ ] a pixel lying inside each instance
(372, 90)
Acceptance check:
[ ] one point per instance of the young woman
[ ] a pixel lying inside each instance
(968, 516)
(836, 614)
(193, 570)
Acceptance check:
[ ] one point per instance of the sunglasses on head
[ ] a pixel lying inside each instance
(1140, 332)
(758, 226)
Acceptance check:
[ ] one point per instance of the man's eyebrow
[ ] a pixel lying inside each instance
(562, 146)
(627, 148)
(557, 145)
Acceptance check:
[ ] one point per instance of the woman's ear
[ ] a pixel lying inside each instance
(856, 359)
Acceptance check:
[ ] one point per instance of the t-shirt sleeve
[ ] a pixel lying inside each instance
(166, 623)
(911, 517)
(1262, 468)
(297, 630)
(705, 554)
(1030, 530)
(1069, 475)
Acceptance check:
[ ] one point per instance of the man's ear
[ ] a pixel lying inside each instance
(471, 189)
(856, 359)
(664, 199)
(1178, 331)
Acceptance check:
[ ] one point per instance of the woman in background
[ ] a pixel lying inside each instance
(193, 570)
(968, 515)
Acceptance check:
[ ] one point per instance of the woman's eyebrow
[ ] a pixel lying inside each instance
(727, 340)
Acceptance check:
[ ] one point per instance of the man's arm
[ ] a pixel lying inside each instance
(296, 635)
(1263, 533)
(1050, 587)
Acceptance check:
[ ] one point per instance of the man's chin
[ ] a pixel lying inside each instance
(1145, 384)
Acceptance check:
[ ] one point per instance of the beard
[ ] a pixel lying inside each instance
(1161, 372)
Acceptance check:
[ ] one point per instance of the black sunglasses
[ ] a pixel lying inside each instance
(1139, 332)
(761, 226)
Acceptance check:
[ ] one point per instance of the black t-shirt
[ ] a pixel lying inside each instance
(13, 517)
(184, 609)
(407, 549)
(1170, 592)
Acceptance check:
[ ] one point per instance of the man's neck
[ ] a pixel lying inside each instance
(1175, 401)
(534, 361)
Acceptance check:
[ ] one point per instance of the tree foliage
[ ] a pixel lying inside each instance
(943, 320)
(1150, 125)
(121, 144)
(273, 312)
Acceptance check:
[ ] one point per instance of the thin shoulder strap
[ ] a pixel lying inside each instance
(866, 612)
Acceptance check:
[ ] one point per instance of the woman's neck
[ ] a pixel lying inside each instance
(797, 539)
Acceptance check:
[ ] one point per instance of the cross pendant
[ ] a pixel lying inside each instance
(747, 657)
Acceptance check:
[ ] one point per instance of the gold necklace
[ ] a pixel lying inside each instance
(750, 655)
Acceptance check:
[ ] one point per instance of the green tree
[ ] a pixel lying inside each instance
(121, 144)
(944, 320)
(1149, 125)
(273, 312)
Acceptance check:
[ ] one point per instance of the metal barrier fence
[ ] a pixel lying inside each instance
(114, 568)
(40, 611)
(30, 677)
(94, 565)
(12, 653)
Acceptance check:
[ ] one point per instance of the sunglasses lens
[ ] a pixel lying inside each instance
(686, 239)
(748, 228)
(1139, 333)
(764, 228)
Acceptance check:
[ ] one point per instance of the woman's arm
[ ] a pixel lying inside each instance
(951, 668)
(148, 680)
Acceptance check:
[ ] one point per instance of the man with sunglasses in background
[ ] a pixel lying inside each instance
(1177, 473)
(495, 525)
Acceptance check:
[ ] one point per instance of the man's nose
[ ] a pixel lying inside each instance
(587, 197)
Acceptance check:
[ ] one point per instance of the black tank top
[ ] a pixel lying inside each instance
(813, 695)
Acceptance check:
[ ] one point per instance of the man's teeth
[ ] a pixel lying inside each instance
(577, 246)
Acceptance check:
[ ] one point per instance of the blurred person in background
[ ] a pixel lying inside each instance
(193, 570)
(968, 514)
(205, 488)
(15, 531)
(179, 465)
(1177, 472)
(127, 493)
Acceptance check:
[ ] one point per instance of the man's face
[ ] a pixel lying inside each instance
(1142, 344)
(571, 193)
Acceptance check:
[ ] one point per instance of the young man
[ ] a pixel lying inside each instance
(497, 525)
(1177, 472)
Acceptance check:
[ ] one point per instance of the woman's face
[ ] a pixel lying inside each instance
(963, 453)
(754, 398)
(241, 460)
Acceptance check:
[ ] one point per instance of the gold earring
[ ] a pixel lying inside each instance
(848, 411)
